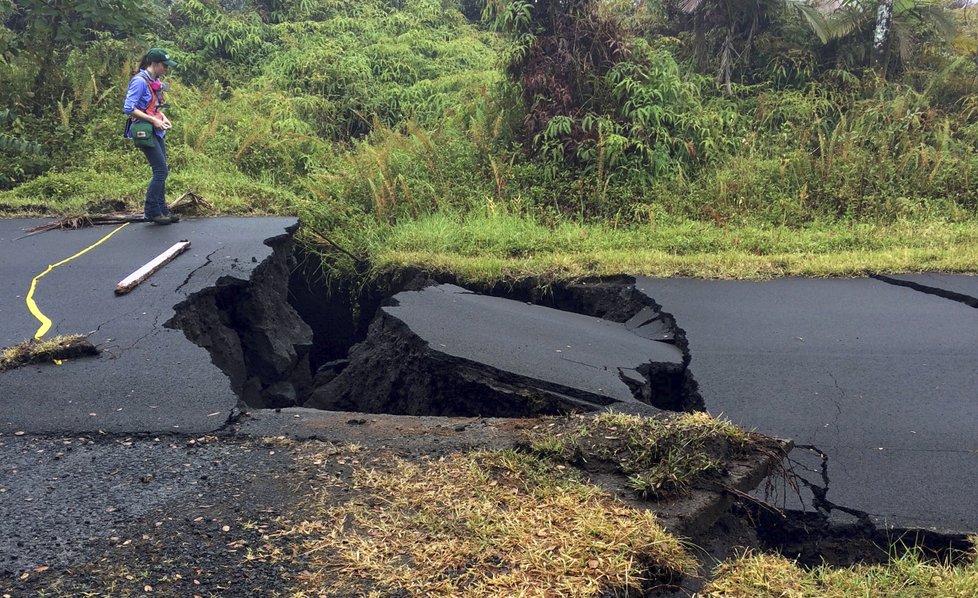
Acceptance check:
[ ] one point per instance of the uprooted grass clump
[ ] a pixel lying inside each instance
(44, 351)
(910, 575)
(496, 523)
(661, 457)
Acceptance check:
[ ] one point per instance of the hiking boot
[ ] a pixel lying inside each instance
(173, 217)
(160, 219)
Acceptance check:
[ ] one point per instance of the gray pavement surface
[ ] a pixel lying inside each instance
(148, 378)
(882, 379)
(63, 499)
(563, 348)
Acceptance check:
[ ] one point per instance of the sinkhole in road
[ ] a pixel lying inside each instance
(408, 343)
(290, 337)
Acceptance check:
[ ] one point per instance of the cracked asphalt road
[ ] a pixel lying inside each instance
(882, 379)
(149, 378)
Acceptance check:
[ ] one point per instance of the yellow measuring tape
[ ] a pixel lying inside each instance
(45, 322)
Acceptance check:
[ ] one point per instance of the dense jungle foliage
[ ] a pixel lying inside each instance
(365, 117)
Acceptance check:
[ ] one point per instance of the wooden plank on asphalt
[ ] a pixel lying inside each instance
(130, 282)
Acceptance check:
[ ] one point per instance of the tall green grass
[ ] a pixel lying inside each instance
(492, 245)
(391, 131)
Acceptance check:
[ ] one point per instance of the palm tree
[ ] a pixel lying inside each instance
(738, 22)
(881, 34)
(888, 25)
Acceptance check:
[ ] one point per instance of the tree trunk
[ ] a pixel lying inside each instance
(882, 35)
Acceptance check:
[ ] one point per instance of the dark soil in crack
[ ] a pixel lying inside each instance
(286, 335)
(813, 539)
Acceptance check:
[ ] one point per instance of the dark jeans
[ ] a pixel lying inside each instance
(156, 193)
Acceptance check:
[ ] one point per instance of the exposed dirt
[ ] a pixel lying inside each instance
(258, 333)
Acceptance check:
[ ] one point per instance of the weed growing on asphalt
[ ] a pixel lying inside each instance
(661, 457)
(41, 351)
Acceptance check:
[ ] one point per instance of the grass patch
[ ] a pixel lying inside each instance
(484, 248)
(910, 575)
(44, 351)
(124, 176)
(662, 457)
(483, 524)
(481, 245)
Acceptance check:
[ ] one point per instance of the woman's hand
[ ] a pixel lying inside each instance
(162, 123)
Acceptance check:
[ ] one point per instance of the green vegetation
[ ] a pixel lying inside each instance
(515, 138)
(907, 576)
(660, 457)
(490, 246)
(556, 139)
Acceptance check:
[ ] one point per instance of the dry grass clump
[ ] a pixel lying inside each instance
(662, 457)
(41, 351)
(484, 524)
(910, 575)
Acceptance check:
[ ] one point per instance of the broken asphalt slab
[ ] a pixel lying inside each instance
(444, 350)
(148, 378)
(881, 379)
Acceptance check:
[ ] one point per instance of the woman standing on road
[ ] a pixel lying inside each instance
(144, 104)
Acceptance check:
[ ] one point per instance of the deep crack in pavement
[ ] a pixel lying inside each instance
(926, 283)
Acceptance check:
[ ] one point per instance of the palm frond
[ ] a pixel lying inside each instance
(845, 21)
(937, 16)
(816, 20)
(690, 6)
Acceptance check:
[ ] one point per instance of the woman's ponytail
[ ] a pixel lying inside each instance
(142, 65)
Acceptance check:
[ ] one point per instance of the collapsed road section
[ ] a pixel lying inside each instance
(425, 346)
(244, 319)
(444, 350)
(438, 349)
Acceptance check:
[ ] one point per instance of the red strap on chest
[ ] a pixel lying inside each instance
(155, 101)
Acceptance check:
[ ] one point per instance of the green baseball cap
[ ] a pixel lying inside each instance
(160, 55)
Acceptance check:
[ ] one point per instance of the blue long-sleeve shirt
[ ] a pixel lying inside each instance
(139, 97)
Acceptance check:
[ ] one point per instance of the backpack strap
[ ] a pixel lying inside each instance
(156, 101)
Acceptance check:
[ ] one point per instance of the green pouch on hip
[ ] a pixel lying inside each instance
(142, 133)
